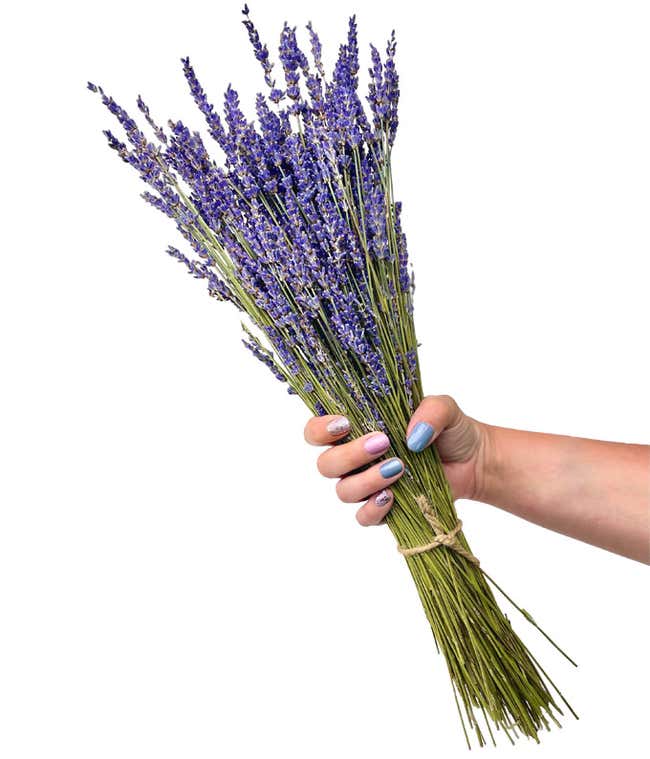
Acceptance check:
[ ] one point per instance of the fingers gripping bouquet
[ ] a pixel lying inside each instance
(299, 229)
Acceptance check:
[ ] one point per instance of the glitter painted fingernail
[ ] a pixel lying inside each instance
(391, 468)
(383, 498)
(376, 443)
(338, 426)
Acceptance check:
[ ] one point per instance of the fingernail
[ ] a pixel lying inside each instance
(390, 468)
(338, 426)
(383, 498)
(420, 437)
(376, 443)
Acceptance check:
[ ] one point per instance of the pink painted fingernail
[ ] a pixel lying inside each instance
(377, 443)
(383, 498)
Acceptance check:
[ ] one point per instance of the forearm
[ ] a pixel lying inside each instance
(594, 491)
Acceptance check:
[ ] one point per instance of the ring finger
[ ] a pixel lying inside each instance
(357, 487)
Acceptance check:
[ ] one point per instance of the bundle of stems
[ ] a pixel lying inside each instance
(299, 229)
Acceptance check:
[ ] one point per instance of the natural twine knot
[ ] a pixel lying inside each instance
(442, 538)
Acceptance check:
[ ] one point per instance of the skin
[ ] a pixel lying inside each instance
(591, 490)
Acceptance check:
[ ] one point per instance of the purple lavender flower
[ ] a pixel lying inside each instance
(316, 50)
(215, 126)
(158, 131)
(293, 60)
(288, 226)
(260, 50)
(264, 355)
(391, 88)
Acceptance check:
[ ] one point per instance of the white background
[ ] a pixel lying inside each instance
(175, 579)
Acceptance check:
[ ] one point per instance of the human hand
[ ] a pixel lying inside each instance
(460, 441)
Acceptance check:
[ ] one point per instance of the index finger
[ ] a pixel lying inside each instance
(324, 430)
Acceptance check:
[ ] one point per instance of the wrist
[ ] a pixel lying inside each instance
(486, 467)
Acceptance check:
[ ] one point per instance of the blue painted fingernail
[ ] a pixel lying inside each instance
(420, 437)
(390, 468)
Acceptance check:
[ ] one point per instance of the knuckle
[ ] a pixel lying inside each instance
(323, 465)
(429, 403)
(454, 414)
(308, 430)
(449, 401)
(443, 408)
(343, 492)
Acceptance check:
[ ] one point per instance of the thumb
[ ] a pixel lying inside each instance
(438, 418)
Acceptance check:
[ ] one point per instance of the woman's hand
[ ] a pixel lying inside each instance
(592, 490)
(459, 439)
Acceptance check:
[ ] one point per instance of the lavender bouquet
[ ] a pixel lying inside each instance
(299, 229)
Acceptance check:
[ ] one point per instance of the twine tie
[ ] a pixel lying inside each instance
(442, 538)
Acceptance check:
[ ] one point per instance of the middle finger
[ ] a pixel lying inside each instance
(345, 457)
